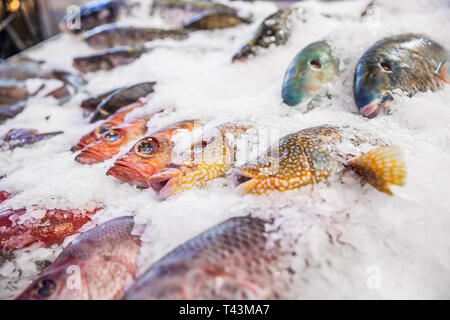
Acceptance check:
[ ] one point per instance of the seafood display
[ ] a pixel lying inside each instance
(139, 162)
(412, 63)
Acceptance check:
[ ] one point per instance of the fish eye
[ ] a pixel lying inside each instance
(386, 66)
(315, 64)
(146, 147)
(111, 136)
(44, 288)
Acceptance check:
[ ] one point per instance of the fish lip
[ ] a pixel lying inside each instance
(243, 182)
(89, 156)
(140, 179)
(79, 146)
(163, 183)
(371, 109)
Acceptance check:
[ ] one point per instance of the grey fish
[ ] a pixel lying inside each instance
(410, 62)
(112, 35)
(90, 103)
(108, 59)
(274, 30)
(121, 97)
(216, 20)
(232, 260)
(96, 265)
(9, 111)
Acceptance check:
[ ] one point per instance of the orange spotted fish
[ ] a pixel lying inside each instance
(205, 160)
(312, 156)
(113, 121)
(149, 155)
(111, 141)
(53, 227)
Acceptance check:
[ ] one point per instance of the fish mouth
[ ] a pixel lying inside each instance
(243, 182)
(129, 173)
(90, 156)
(373, 108)
(79, 146)
(163, 183)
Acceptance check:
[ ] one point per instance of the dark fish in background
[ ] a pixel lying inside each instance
(90, 103)
(231, 261)
(112, 35)
(120, 98)
(179, 12)
(312, 156)
(274, 30)
(149, 155)
(95, 266)
(410, 62)
(53, 227)
(216, 20)
(12, 90)
(309, 73)
(108, 59)
(9, 111)
(92, 14)
(16, 138)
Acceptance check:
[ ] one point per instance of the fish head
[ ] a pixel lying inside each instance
(105, 148)
(372, 83)
(144, 159)
(92, 136)
(283, 167)
(56, 283)
(309, 73)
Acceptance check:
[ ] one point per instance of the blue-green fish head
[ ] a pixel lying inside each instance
(309, 73)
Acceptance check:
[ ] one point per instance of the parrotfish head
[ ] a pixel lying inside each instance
(143, 160)
(308, 73)
(371, 86)
(166, 182)
(53, 284)
(92, 136)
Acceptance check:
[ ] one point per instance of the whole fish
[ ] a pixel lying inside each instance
(149, 155)
(17, 138)
(312, 156)
(410, 62)
(308, 75)
(112, 35)
(207, 159)
(274, 30)
(91, 15)
(111, 141)
(95, 266)
(90, 103)
(179, 12)
(108, 59)
(53, 227)
(230, 261)
(120, 98)
(216, 20)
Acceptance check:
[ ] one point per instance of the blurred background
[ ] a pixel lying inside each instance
(24, 23)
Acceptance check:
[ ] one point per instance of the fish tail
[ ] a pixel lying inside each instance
(381, 167)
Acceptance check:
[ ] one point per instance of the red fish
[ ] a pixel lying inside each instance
(53, 228)
(113, 121)
(96, 265)
(149, 155)
(4, 196)
(112, 141)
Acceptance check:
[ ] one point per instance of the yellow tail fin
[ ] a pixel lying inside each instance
(381, 167)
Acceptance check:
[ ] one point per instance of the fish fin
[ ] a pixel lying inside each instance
(381, 167)
(442, 72)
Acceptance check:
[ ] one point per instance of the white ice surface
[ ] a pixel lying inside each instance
(353, 241)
